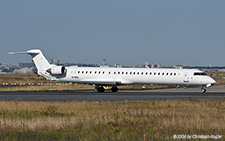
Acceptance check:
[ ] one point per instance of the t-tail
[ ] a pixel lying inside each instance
(39, 60)
(44, 68)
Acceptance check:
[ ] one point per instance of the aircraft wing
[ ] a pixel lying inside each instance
(100, 82)
(105, 82)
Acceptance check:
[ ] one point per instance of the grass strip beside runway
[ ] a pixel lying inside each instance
(111, 120)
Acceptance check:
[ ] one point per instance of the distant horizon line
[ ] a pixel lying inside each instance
(126, 65)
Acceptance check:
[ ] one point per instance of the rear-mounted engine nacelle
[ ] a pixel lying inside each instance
(57, 70)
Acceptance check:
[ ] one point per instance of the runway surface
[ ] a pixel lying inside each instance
(218, 92)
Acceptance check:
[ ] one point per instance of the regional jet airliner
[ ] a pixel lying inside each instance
(114, 77)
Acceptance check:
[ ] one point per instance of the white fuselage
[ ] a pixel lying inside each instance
(124, 76)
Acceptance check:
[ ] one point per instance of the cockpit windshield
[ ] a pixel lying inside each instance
(199, 73)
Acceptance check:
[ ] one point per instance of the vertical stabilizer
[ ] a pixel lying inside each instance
(38, 58)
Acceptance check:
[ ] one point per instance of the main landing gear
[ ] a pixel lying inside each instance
(100, 88)
(114, 89)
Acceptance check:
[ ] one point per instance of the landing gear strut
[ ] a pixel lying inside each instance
(203, 89)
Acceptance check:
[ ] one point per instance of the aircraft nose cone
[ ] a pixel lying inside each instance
(213, 81)
(210, 82)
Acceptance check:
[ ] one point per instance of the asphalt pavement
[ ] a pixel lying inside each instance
(216, 92)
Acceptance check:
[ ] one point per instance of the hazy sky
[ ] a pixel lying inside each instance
(128, 32)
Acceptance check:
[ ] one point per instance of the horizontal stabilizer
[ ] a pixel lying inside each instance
(33, 51)
(18, 53)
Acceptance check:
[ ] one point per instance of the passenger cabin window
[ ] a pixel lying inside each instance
(199, 73)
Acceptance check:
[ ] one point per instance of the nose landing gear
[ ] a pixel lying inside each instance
(203, 89)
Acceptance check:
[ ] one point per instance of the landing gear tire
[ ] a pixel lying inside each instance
(203, 90)
(100, 89)
(114, 89)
